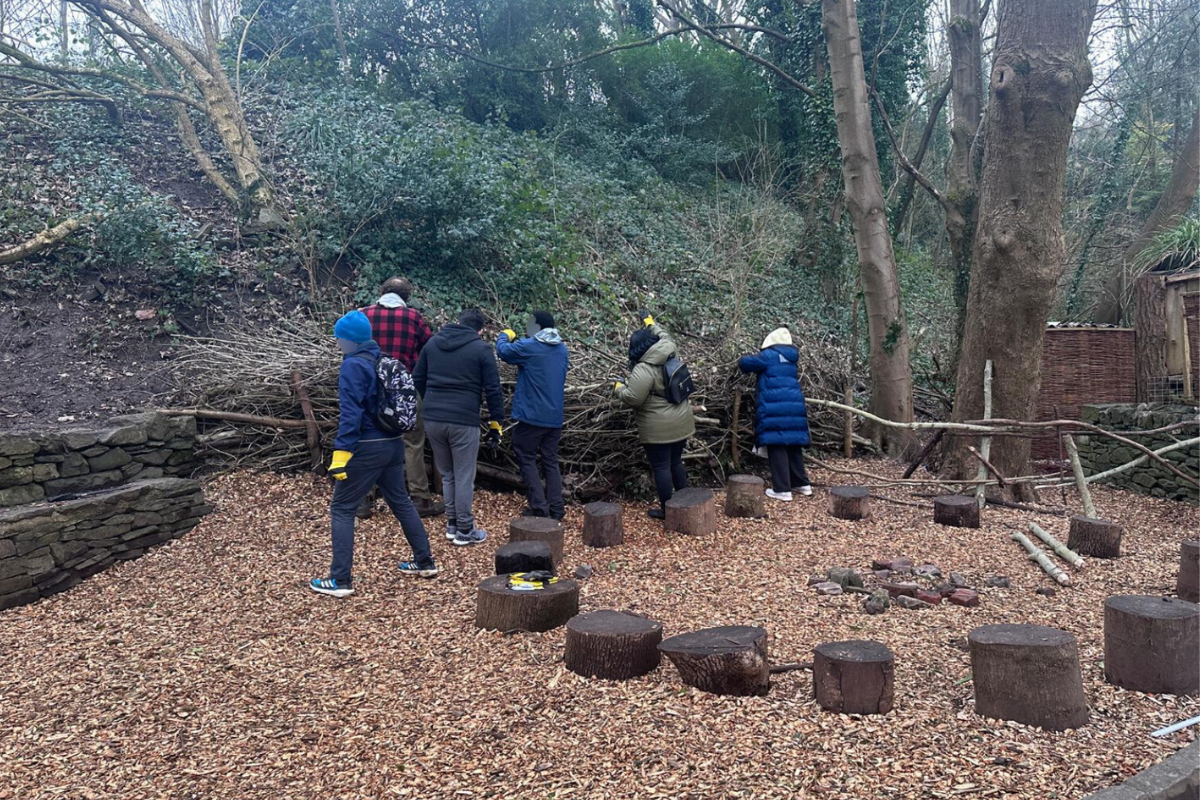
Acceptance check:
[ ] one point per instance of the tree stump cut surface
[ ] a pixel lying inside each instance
(523, 557)
(692, 512)
(1152, 644)
(612, 645)
(854, 677)
(499, 608)
(1095, 537)
(1188, 584)
(538, 529)
(602, 525)
(729, 660)
(848, 502)
(744, 497)
(1028, 674)
(956, 510)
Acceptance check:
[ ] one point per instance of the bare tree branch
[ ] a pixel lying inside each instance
(902, 159)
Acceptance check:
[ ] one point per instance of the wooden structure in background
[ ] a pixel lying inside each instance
(1167, 318)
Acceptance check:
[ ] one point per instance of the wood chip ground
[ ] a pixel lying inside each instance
(206, 669)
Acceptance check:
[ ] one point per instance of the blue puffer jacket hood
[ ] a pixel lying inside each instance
(781, 415)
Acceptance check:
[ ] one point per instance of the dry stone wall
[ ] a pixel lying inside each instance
(1099, 453)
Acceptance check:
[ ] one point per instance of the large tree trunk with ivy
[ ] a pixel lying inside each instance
(1040, 71)
(966, 107)
(1176, 199)
(891, 372)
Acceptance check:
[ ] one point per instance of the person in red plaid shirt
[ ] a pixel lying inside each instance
(401, 332)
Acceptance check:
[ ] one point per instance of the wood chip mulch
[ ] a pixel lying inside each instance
(206, 669)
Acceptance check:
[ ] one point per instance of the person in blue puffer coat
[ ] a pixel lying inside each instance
(781, 417)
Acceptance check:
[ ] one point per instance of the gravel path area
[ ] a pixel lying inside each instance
(207, 670)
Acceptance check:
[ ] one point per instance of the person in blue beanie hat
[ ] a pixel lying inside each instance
(364, 457)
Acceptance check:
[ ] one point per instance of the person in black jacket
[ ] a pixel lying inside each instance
(455, 372)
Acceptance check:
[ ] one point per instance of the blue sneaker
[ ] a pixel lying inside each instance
(330, 587)
(411, 568)
(474, 536)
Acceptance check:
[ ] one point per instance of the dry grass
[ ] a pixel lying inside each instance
(206, 670)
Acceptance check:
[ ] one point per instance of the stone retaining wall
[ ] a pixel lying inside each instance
(64, 464)
(1176, 778)
(1099, 453)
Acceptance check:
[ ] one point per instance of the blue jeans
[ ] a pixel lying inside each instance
(379, 463)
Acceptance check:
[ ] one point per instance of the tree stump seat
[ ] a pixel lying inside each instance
(744, 497)
(1095, 537)
(538, 529)
(602, 525)
(1187, 585)
(848, 502)
(854, 677)
(612, 645)
(692, 512)
(498, 607)
(730, 660)
(1028, 674)
(524, 557)
(1151, 644)
(956, 510)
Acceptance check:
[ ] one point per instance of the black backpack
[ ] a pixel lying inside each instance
(395, 397)
(678, 385)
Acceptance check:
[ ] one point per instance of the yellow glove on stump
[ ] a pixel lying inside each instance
(511, 334)
(337, 464)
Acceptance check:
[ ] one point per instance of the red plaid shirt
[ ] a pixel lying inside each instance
(400, 332)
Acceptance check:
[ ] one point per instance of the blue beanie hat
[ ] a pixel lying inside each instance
(353, 326)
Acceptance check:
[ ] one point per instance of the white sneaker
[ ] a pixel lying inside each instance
(451, 532)
(785, 497)
(805, 490)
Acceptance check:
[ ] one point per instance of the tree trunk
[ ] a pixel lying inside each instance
(336, 12)
(1150, 336)
(1176, 199)
(848, 502)
(1150, 644)
(966, 107)
(612, 645)
(1028, 674)
(891, 373)
(1040, 71)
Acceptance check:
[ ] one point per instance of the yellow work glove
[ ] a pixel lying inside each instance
(647, 319)
(337, 465)
(511, 334)
(618, 386)
(493, 435)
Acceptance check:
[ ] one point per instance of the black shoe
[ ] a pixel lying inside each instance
(366, 510)
(532, 512)
(558, 516)
(656, 513)
(428, 507)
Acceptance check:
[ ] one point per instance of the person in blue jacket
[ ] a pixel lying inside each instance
(542, 362)
(364, 457)
(780, 418)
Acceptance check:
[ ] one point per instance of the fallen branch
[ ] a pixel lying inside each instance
(924, 454)
(312, 433)
(985, 445)
(984, 463)
(1089, 508)
(234, 416)
(46, 238)
(1099, 476)
(1037, 554)
(781, 668)
(1065, 553)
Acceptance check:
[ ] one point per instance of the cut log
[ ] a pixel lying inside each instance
(1095, 537)
(499, 608)
(1187, 585)
(612, 645)
(523, 557)
(744, 496)
(1028, 674)
(538, 529)
(848, 502)
(727, 660)
(854, 677)
(692, 512)
(956, 510)
(1151, 644)
(602, 526)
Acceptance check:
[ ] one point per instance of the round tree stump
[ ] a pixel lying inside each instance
(1095, 537)
(1151, 644)
(1187, 586)
(854, 677)
(726, 660)
(744, 497)
(956, 510)
(602, 525)
(848, 502)
(1028, 674)
(692, 512)
(538, 529)
(498, 607)
(523, 557)
(612, 645)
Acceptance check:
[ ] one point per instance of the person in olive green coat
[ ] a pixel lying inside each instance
(662, 427)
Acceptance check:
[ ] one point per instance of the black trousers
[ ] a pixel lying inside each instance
(787, 467)
(666, 463)
(528, 442)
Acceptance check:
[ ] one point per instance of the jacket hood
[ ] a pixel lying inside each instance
(548, 336)
(453, 337)
(777, 336)
(786, 351)
(370, 347)
(659, 352)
